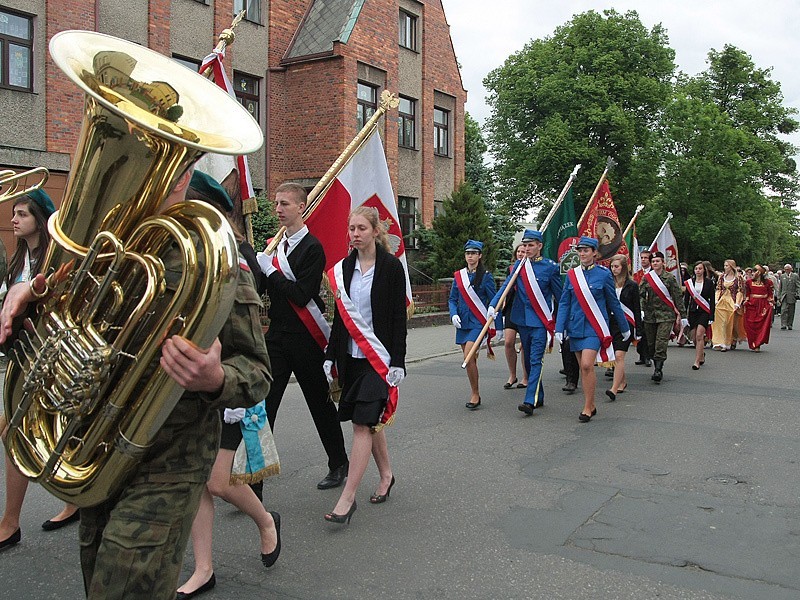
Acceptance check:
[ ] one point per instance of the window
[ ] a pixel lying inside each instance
(189, 63)
(16, 51)
(367, 102)
(253, 8)
(406, 129)
(441, 130)
(408, 30)
(407, 211)
(246, 89)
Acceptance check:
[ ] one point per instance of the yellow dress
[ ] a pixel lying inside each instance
(728, 321)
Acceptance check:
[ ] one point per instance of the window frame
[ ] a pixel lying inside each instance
(407, 30)
(5, 54)
(407, 218)
(240, 95)
(403, 119)
(259, 20)
(441, 132)
(365, 106)
(185, 61)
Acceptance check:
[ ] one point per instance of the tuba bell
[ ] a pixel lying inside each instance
(84, 394)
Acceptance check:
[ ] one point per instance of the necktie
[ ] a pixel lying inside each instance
(286, 247)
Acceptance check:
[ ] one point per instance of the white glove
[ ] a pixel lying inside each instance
(395, 376)
(684, 322)
(233, 415)
(456, 321)
(711, 322)
(560, 337)
(265, 262)
(327, 366)
(626, 335)
(491, 313)
(642, 315)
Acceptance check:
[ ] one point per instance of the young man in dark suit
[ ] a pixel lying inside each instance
(292, 278)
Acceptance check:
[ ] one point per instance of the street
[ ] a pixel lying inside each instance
(684, 490)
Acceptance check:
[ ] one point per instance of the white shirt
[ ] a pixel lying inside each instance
(294, 239)
(361, 295)
(698, 286)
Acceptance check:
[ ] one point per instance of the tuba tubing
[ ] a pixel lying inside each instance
(85, 393)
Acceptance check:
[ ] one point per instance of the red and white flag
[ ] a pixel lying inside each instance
(666, 243)
(602, 222)
(637, 271)
(363, 181)
(217, 165)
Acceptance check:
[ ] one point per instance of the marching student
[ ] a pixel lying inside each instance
(662, 303)
(628, 294)
(297, 332)
(473, 288)
(699, 301)
(538, 282)
(586, 304)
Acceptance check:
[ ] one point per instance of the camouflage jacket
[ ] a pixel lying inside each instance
(655, 309)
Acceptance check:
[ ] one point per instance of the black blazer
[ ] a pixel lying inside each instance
(629, 296)
(708, 292)
(307, 260)
(388, 301)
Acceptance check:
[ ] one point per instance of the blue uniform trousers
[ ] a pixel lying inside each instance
(534, 341)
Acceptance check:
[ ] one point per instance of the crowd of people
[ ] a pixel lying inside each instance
(597, 313)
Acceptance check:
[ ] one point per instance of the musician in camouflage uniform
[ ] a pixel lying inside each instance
(659, 316)
(132, 546)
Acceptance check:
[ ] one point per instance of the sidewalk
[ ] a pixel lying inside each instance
(429, 342)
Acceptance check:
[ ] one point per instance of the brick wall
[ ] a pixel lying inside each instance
(158, 24)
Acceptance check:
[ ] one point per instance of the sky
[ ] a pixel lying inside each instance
(484, 34)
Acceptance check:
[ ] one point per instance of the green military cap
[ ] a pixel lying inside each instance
(211, 190)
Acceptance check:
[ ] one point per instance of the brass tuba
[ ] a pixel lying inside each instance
(85, 395)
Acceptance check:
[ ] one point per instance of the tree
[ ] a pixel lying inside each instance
(463, 217)
(265, 222)
(596, 88)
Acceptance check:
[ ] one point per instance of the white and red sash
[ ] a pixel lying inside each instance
(536, 296)
(364, 337)
(310, 314)
(661, 290)
(699, 300)
(475, 304)
(593, 314)
(629, 316)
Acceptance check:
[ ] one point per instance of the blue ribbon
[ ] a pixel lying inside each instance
(255, 418)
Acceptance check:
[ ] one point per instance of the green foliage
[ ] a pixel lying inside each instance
(594, 89)
(265, 222)
(463, 217)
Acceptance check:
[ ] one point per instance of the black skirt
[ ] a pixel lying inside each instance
(231, 436)
(699, 317)
(619, 345)
(364, 393)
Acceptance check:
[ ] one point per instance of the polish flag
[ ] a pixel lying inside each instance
(665, 242)
(363, 181)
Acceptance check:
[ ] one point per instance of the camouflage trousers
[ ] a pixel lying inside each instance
(657, 335)
(133, 547)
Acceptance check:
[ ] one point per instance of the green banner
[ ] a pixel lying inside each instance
(561, 234)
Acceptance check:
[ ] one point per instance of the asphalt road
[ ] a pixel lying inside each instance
(687, 489)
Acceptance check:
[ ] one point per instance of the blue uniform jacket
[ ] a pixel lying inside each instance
(571, 318)
(459, 307)
(549, 278)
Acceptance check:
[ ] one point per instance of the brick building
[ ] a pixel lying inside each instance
(310, 71)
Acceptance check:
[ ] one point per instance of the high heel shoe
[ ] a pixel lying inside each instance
(332, 517)
(269, 559)
(377, 498)
(11, 540)
(208, 585)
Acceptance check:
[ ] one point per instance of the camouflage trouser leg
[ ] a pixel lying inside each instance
(658, 338)
(133, 548)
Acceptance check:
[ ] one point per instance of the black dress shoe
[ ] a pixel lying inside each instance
(51, 525)
(611, 395)
(526, 408)
(377, 498)
(570, 387)
(11, 540)
(334, 478)
(509, 384)
(269, 559)
(474, 405)
(208, 585)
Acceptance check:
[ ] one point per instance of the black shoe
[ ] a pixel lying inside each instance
(332, 517)
(570, 387)
(208, 585)
(51, 525)
(562, 371)
(474, 405)
(611, 395)
(377, 498)
(647, 363)
(783, 327)
(526, 408)
(334, 478)
(657, 372)
(269, 559)
(586, 418)
(639, 362)
(11, 540)
(509, 384)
